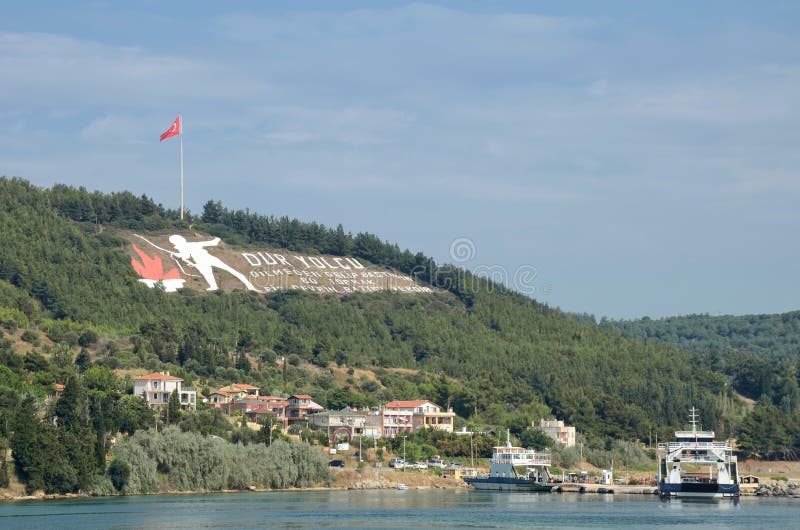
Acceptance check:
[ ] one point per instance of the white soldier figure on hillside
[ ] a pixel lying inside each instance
(195, 255)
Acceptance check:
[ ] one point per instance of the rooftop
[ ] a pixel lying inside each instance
(157, 376)
(397, 404)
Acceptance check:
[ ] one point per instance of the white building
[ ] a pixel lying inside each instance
(411, 416)
(564, 435)
(158, 386)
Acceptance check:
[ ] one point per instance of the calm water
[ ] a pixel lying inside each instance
(398, 509)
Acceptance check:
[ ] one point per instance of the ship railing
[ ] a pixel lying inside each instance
(523, 460)
(694, 446)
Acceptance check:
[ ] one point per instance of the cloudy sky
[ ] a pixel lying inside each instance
(618, 158)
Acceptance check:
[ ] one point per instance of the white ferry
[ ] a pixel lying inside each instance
(697, 466)
(515, 469)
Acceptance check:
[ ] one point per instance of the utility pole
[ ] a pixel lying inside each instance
(404, 453)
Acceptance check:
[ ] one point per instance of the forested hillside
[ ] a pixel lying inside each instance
(497, 357)
(769, 336)
(759, 354)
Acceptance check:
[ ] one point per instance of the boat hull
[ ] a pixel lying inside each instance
(508, 484)
(702, 491)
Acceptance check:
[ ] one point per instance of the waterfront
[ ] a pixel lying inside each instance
(395, 509)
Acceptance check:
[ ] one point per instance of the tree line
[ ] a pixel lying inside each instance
(497, 357)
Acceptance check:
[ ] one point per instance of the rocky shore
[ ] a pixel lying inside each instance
(779, 488)
(369, 479)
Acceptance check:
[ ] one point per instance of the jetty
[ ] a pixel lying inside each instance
(626, 489)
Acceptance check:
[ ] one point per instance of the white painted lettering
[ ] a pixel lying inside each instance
(338, 261)
(252, 259)
(268, 259)
(354, 262)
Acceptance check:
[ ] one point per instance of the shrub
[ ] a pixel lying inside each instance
(31, 336)
(143, 476)
(193, 462)
(119, 473)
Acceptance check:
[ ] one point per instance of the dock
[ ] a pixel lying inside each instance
(617, 489)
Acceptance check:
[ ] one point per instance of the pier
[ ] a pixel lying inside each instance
(571, 487)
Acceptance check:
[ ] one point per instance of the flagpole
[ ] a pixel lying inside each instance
(180, 120)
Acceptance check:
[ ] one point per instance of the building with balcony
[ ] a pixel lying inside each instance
(350, 422)
(564, 435)
(256, 409)
(157, 387)
(300, 406)
(415, 415)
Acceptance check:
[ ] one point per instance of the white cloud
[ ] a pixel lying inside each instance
(46, 70)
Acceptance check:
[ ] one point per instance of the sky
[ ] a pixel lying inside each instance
(623, 159)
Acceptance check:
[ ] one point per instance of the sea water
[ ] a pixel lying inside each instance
(398, 509)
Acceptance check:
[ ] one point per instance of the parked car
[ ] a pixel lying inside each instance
(397, 463)
(420, 465)
(437, 463)
(336, 463)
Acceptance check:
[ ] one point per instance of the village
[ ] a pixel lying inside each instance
(288, 415)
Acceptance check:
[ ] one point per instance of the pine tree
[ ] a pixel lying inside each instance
(173, 408)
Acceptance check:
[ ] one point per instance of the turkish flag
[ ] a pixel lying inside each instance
(174, 129)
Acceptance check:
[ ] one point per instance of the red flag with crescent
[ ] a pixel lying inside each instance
(174, 129)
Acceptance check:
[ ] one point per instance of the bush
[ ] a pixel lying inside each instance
(101, 486)
(87, 338)
(193, 462)
(31, 337)
(4, 478)
(143, 477)
(119, 472)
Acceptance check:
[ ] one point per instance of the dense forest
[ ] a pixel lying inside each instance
(70, 302)
(759, 355)
(769, 336)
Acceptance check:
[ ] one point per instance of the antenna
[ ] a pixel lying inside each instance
(693, 419)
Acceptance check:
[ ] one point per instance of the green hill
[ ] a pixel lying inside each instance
(759, 353)
(771, 336)
(496, 356)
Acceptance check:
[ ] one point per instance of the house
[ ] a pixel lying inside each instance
(300, 406)
(563, 435)
(222, 397)
(415, 415)
(272, 399)
(157, 387)
(255, 410)
(351, 422)
(241, 390)
(58, 389)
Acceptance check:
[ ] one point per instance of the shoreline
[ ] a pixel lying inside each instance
(764, 490)
(371, 478)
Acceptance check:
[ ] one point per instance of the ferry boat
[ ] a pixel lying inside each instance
(697, 466)
(515, 469)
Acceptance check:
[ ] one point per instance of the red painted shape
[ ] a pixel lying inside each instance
(151, 268)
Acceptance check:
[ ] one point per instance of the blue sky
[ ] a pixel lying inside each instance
(619, 158)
